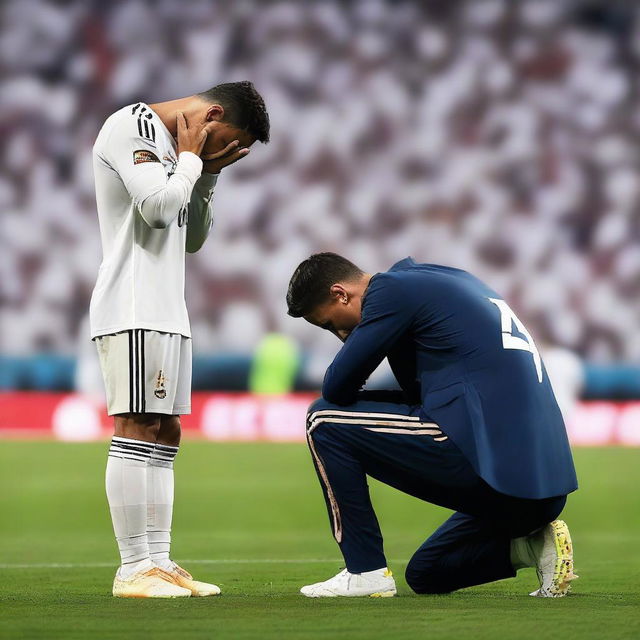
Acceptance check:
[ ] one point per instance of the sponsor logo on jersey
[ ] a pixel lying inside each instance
(144, 155)
(160, 392)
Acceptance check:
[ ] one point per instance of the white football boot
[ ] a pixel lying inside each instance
(182, 578)
(554, 560)
(374, 584)
(148, 583)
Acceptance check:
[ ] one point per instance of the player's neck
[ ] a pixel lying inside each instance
(168, 111)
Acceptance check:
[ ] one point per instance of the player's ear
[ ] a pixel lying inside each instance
(215, 112)
(339, 293)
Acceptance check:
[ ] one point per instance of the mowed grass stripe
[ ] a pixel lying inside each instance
(252, 519)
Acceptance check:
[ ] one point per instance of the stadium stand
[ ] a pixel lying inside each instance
(494, 136)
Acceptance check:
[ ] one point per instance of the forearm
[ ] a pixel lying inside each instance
(338, 389)
(351, 367)
(160, 202)
(386, 316)
(200, 212)
(402, 360)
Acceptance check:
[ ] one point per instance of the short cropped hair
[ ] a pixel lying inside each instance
(243, 107)
(311, 282)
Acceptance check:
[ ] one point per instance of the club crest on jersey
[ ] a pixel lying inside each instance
(144, 155)
(160, 392)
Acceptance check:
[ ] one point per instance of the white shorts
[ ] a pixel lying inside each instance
(146, 372)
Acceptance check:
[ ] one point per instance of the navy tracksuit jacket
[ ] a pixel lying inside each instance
(477, 429)
(458, 351)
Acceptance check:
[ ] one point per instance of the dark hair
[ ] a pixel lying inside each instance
(311, 282)
(243, 107)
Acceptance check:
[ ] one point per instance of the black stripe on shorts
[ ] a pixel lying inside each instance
(142, 372)
(131, 371)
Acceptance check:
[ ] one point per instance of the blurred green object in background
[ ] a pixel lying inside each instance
(274, 366)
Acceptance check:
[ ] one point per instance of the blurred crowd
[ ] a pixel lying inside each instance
(500, 137)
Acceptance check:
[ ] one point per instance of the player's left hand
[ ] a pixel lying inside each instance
(215, 162)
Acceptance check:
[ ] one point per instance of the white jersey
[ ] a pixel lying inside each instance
(152, 207)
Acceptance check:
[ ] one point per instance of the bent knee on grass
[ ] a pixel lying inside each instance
(427, 578)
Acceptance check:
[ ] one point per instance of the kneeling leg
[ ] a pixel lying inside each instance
(464, 551)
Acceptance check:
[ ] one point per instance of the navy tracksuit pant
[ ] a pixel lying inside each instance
(387, 441)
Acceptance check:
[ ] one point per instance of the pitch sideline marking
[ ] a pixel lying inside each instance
(99, 565)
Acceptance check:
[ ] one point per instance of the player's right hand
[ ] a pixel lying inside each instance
(191, 138)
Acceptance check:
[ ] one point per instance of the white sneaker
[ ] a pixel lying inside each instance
(554, 561)
(375, 584)
(149, 583)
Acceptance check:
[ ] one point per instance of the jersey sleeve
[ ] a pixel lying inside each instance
(200, 211)
(131, 150)
(387, 313)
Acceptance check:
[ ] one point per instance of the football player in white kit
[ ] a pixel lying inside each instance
(155, 170)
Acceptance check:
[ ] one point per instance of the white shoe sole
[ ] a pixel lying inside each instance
(204, 593)
(161, 589)
(131, 595)
(329, 594)
(563, 569)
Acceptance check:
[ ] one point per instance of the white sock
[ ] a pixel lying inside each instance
(160, 503)
(126, 483)
(524, 552)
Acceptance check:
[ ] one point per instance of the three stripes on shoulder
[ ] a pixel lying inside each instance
(145, 128)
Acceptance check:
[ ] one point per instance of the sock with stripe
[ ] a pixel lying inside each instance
(160, 503)
(126, 484)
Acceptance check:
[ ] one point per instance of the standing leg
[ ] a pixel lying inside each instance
(126, 486)
(169, 387)
(160, 491)
(124, 365)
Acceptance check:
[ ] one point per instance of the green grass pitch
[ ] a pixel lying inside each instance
(250, 517)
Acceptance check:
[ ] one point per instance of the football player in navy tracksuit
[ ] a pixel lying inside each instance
(475, 428)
